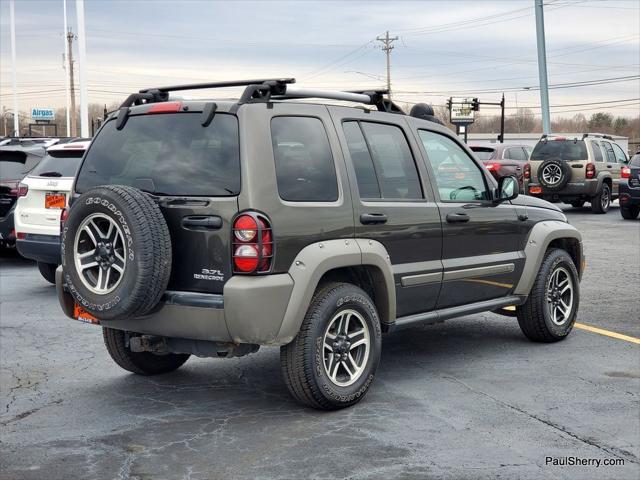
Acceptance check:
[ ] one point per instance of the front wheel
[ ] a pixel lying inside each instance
(142, 363)
(602, 201)
(331, 363)
(550, 311)
(630, 213)
(48, 271)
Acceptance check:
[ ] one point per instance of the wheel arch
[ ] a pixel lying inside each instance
(360, 261)
(545, 235)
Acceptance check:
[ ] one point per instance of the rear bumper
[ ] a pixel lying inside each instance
(7, 232)
(629, 196)
(587, 188)
(255, 311)
(41, 248)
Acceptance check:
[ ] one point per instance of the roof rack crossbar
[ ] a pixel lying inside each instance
(230, 83)
(368, 97)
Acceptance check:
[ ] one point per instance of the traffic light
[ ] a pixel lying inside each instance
(475, 105)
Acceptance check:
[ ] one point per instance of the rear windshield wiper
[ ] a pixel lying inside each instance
(50, 174)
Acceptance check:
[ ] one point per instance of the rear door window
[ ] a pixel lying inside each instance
(597, 153)
(611, 156)
(567, 150)
(515, 153)
(620, 156)
(166, 154)
(59, 164)
(305, 171)
(366, 177)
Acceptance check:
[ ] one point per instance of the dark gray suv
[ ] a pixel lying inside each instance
(212, 228)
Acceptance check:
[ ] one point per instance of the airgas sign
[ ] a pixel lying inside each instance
(42, 114)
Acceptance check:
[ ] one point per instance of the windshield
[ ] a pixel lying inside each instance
(170, 154)
(59, 164)
(483, 153)
(567, 150)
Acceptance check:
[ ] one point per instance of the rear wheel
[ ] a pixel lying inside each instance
(331, 363)
(602, 201)
(551, 309)
(48, 271)
(630, 213)
(142, 363)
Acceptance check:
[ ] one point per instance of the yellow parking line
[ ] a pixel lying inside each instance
(607, 333)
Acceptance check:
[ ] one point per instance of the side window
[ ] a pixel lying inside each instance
(611, 157)
(515, 153)
(457, 176)
(597, 154)
(528, 151)
(394, 165)
(304, 164)
(619, 153)
(362, 162)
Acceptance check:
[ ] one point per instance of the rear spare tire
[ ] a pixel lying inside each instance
(554, 174)
(116, 252)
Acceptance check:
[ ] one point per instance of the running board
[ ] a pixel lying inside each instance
(439, 315)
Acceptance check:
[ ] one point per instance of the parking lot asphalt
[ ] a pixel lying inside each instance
(469, 398)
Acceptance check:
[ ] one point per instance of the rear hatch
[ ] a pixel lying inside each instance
(191, 170)
(49, 186)
(572, 151)
(14, 165)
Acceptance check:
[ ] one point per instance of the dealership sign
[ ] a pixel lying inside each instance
(462, 110)
(42, 114)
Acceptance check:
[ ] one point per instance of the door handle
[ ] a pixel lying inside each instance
(457, 218)
(208, 222)
(373, 218)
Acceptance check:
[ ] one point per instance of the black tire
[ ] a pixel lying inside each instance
(142, 363)
(303, 361)
(559, 166)
(602, 201)
(630, 213)
(578, 204)
(144, 243)
(48, 271)
(534, 316)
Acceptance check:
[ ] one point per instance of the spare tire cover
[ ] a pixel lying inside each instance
(554, 173)
(116, 252)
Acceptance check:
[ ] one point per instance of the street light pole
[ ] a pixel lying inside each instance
(16, 116)
(542, 67)
(66, 66)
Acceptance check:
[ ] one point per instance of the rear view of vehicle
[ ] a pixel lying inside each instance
(575, 171)
(44, 194)
(630, 189)
(15, 163)
(504, 160)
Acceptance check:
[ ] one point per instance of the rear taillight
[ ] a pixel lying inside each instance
(492, 167)
(625, 172)
(20, 190)
(19, 235)
(591, 170)
(527, 171)
(252, 243)
(63, 218)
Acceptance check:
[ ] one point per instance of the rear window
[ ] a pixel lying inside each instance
(166, 154)
(483, 153)
(567, 150)
(15, 165)
(59, 164)
(635, 161)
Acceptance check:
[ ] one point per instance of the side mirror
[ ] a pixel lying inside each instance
(508, 189)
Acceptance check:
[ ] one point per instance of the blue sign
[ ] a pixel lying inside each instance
(42, 114)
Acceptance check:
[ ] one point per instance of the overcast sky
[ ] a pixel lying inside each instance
(461, 48)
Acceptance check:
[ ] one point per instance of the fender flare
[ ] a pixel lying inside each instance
(541, 235)
(602, 176)
(316, 259)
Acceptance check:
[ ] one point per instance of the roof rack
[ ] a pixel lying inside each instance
(597, 135)
(257, 90)
(263, 90)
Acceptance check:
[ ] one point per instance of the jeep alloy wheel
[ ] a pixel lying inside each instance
(346, 347)
(560, 295)
(552, 174)
(99, 253)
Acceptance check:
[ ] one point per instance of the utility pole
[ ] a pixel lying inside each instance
(12, 26)
(72, 89)
(82, 64)
(502, 119)
(65, 57)
(387, 43)
(542, 67)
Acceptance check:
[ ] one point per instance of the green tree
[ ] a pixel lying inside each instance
(600, 120)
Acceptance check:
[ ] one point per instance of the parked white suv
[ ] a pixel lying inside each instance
(43, 195)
